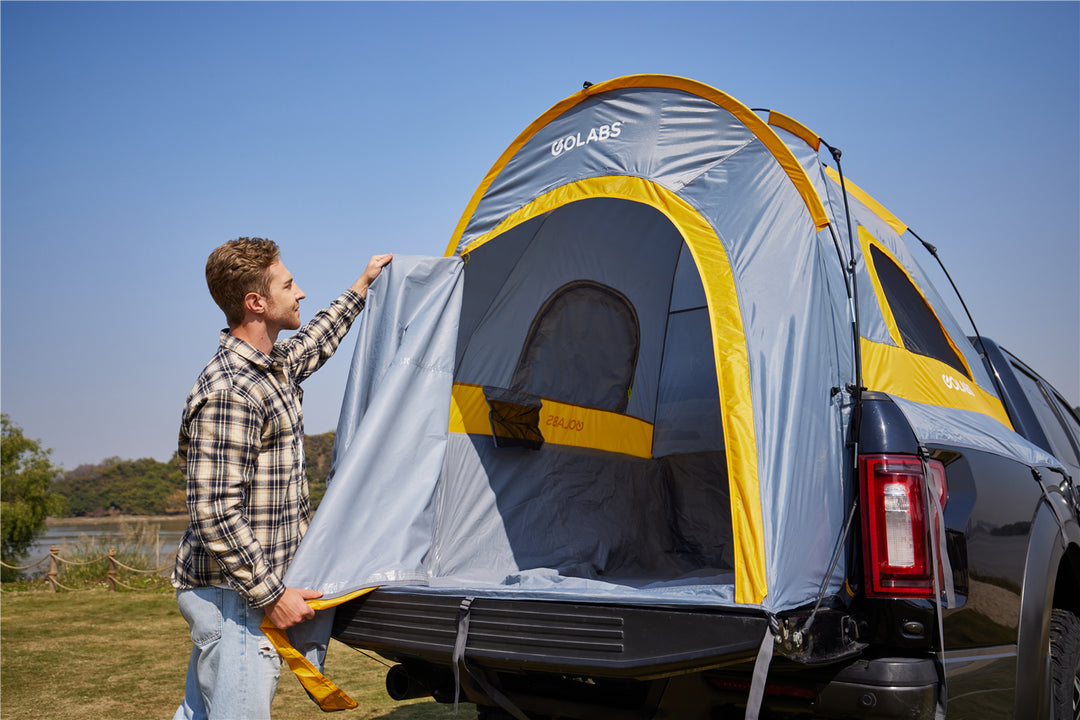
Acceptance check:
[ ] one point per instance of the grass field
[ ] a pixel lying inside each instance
(93, 653)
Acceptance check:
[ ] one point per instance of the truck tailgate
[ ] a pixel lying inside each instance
(562, 637)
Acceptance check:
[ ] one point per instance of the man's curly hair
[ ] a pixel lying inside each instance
(237, 268)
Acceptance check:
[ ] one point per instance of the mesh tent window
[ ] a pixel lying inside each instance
(582, 348)
(919, 327)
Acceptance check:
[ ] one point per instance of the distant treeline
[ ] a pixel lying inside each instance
(150, 487)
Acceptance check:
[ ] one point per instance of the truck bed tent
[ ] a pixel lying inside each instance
(635, 359)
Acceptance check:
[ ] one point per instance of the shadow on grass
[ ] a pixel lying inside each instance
(429, 711)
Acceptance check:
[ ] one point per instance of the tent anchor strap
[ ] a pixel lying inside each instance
(761, 671)
(463, 618)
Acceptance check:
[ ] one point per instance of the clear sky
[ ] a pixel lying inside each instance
(138, 136)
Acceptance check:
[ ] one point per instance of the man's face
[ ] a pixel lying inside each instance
(283, 303)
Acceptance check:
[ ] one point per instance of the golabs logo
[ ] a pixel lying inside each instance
(565, 423)
(575, 140)
(958, 385)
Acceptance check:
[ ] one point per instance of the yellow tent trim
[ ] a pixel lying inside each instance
(560, 423)
(328, 695)
(925, 380)
(745, 115)
(865, 198)
(866, 240)
(729, 352)
(796, 128)
(898, 371)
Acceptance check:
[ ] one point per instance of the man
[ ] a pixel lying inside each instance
(241, 440)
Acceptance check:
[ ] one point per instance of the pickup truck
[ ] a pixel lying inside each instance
(1011, 645)
(687, 433)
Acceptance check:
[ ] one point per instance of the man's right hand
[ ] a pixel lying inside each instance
(291, 608)
(374, 267)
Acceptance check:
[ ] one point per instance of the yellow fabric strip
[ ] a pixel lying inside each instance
(748, 117)
(328, 695)
(560, 424)
(729, 352)
(326, 603)
(862, 196)
(925, 380)
(796, 128)
(740, 438)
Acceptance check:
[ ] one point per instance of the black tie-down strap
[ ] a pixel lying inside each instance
(464, 612)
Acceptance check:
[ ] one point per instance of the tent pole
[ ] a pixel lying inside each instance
(978, 335)
(857, 389)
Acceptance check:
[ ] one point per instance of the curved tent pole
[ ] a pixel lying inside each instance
(857, 389)
(978, 335)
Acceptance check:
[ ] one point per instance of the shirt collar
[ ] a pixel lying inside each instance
(254, 356)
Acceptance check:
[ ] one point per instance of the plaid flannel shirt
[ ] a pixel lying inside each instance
(242, 443)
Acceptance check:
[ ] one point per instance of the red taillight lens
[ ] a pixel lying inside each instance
(896, 524)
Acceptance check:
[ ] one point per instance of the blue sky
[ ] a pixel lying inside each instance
(138, 136)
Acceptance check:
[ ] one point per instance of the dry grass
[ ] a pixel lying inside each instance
(94, 653)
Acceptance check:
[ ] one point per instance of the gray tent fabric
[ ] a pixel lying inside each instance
(972, 430)
(374, 525)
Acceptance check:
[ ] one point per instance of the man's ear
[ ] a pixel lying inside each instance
(255, 303)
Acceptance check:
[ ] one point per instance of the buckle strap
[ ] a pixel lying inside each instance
(459, 645)
(463, 617)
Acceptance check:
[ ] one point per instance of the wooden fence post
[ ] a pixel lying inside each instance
(54, 567)
(112, 570)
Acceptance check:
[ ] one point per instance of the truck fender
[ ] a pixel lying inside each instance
(1054, 539)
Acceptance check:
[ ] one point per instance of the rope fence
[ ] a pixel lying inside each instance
(52, 576)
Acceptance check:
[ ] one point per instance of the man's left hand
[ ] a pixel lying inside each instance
(291, 608)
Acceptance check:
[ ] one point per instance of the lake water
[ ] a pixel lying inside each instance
(159, 545)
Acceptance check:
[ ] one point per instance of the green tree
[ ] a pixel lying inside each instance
(26, 473)
(317, 452)
(127, 487)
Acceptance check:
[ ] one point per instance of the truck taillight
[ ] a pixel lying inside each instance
(897, 524)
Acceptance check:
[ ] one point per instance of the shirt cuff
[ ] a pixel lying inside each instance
(265, 592)
(352, 301)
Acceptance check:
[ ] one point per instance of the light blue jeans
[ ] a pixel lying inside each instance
(234, 669)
